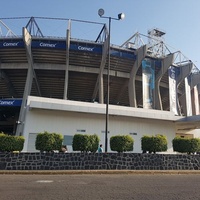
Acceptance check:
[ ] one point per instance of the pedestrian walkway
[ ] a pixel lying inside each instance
(74, 172)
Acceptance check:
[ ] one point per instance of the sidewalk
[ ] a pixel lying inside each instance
(110, 172)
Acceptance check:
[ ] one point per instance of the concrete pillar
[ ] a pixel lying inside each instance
(185, 101)
(198, 90)
(195, 101)
(28, 85)
(67, 60)
(195, 80)
(166, 63)
(99, 83)
(141, 53)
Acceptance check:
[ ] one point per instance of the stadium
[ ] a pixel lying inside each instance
(72, 85)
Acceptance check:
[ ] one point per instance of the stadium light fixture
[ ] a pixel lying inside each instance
(121, 16)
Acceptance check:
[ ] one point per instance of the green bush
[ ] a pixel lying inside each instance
(48, 141)
(94, 143)
(11, 143)
(121, 143)
(186, 145)
(154, 144)
(85, 142)
(146, 143)
(80, 142)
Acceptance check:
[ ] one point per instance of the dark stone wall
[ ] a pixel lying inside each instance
(98, 161)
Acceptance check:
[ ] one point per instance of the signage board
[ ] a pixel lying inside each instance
(10, 102)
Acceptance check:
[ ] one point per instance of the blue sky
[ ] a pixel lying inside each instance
(178, 18)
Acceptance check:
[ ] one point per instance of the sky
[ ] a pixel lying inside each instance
(178, 18)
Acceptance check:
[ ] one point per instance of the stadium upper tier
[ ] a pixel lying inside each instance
(83, 65)
(49, 58)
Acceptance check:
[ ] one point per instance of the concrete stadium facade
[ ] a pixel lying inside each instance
(61, 83)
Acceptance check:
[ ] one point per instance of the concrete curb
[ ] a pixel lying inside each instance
(110, 172)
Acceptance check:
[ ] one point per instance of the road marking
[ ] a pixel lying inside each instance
(44, 181)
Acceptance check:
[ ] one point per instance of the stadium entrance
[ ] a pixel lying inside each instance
(9, 114)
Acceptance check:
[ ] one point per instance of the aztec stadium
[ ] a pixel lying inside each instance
(60, 84)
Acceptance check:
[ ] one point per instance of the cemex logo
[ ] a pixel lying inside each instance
(85, 48)
(10, 44)
(9, 102)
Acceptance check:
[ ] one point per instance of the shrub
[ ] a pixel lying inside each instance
(80, 142)
(85, 143)
(186, 145)
(146, 143)
(94, 143)
(154, 144)
(121, 143)
(48, 141)
(11, 143)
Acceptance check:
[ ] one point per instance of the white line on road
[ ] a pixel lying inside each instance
(44, 181)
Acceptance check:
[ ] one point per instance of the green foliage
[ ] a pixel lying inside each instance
(79, 142)
(94, 143)
(186, 145)
(85, 142)
(11, 143)
(121, 143)
(48, 141)
(154, 144)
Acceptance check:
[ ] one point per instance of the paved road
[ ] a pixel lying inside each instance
(95, 187)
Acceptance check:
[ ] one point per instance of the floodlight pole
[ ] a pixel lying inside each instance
(108, 89)
(120, 16)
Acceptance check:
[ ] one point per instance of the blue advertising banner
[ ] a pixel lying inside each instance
(148, 81)
(62, 45)
(49, 45)
(86, 48)
(10, 102)
(11, 44)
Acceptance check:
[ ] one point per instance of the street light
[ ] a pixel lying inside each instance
(120, 17)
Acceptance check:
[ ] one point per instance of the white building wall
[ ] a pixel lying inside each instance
(67, 123)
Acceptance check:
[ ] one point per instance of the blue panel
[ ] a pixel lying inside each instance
(118, 53)
(86, 48)
(49, 45)
(11, 44)
(148, 76)
(62, 45)
(173, 72)
(10, 102)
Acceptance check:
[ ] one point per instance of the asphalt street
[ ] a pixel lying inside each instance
(99, 186)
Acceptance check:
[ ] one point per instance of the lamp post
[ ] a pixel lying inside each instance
(120, 17)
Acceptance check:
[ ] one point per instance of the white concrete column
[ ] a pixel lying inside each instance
(195, 101)
(141, 53)
(195, 80)
(188, 97)
(166, 63)
(185, 101)
(28, 85)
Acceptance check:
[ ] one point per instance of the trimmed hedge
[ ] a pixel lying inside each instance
(157, 143)
(9, 143)
(186, 145)
(121, 143)
(94, 143)
(85, 142)
(48, 141)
